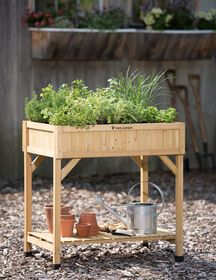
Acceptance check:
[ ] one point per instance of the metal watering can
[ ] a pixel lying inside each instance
(141, 217)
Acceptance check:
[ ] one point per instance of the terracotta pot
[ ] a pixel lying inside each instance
(49, 215)
(68, 216)
(83, 230)
(67, 225)
(90, 218)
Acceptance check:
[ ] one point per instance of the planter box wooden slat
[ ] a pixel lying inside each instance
(105, 140)
(101, 238)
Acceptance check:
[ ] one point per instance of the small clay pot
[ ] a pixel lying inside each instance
(90, 218)
(67, 225)
(49, 215)
(83, 230)
(68, 216)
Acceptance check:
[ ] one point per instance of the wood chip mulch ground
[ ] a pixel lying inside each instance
(130, 260)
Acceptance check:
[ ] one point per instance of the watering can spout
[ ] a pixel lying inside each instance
(112, 211)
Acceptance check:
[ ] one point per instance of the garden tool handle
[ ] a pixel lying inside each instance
(156, 187)
(185, 102)
(170, 75)
(194, 81)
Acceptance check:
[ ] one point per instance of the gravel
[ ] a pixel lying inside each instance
(129, 260)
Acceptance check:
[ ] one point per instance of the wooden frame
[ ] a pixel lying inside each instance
(138, 141)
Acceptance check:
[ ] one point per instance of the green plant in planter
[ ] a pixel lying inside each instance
(41, 108)
(86, 5)
(182, 18)
(112, 19)
(206, 20)
(170, 18)
(136, 87)
(156, 19)
(129, 98)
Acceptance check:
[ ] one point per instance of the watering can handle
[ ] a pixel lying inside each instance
(157, 188)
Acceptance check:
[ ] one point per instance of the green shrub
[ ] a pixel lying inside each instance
(129, 98)
(112, 19)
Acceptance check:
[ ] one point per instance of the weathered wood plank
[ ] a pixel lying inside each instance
(102, 237)
(106, 140)
(84, 44)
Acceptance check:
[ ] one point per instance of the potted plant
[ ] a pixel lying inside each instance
(106, 119)
(122, 119)
(67, 31)
(129, 98)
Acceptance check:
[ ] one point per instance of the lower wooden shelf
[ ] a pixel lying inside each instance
(45, 239)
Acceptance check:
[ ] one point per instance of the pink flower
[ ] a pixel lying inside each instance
(51, 21)
(43, 22)
(37, 24)
(48, 14)
(60, 12)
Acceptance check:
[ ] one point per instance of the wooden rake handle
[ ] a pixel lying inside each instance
(170, 75)
(194, 82)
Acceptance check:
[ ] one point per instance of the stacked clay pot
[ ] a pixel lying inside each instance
(83, 230)
(90, 218)
(49, 215)
(67, 225)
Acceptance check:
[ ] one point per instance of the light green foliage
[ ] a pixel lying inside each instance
(33, 109)
(167, 115)
(86, 5)
(111, 19)
(127, 99)
(136, 87)
(156, 19)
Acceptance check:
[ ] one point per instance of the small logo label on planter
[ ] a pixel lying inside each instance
(121, 127)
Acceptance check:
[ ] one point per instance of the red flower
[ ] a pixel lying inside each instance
(37, 24)
(43, 23)
(61, 12)
(50, 21)
(48, 14)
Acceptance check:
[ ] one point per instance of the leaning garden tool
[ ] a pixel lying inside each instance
(141, 217)
(194, 82)
(182, 93)
(176, 91)
(170, 75)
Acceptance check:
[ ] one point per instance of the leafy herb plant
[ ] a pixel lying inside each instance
(112, 19)
(129, 98)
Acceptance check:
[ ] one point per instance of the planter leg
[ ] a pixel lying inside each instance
(28, 254)
(144, 179)
(27, 202)
(56, 266)
(179, 258)
(56, 211)
(145, 244)
(179, 208)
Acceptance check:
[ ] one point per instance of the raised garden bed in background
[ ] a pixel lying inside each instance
(91, 44)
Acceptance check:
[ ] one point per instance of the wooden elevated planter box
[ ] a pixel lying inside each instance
(91, 44)
(104, 140)
(138, 141)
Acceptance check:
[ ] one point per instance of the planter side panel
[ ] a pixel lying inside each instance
(121, 143)
(114, 45)
(78, 45)
(171, 46)
(41, 142)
